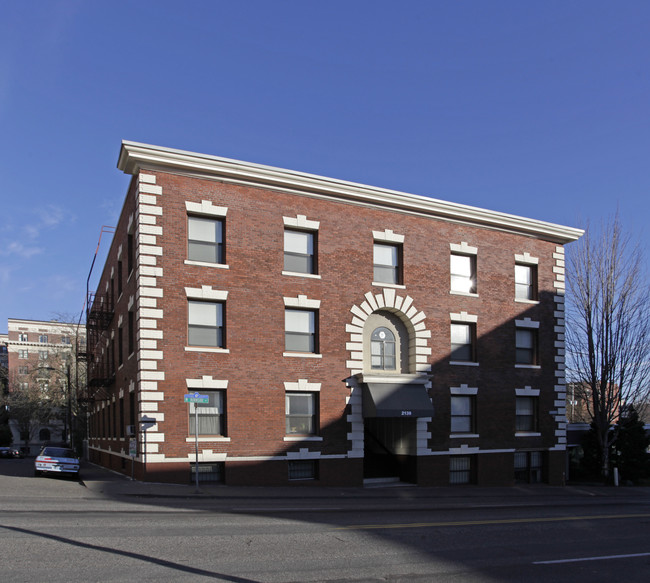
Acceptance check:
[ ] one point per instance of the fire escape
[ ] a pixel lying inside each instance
(101, 364)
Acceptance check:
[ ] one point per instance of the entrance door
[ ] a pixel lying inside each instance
(390, 448)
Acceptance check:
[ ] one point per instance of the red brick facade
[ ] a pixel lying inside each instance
(255, 372)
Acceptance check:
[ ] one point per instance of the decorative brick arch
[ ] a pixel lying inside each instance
(390, 301)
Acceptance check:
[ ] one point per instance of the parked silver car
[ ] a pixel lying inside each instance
(56, 460)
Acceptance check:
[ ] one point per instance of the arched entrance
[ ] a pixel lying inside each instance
(389, 401)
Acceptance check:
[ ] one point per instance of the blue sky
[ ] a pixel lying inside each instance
(535, 108)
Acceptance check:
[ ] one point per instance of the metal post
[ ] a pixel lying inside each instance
(196, 445)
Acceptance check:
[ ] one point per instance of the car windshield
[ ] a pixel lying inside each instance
(58, 452)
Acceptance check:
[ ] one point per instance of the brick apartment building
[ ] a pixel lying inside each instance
(341, 332)
(42, 357)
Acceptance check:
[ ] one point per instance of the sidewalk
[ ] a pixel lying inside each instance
(103, 482)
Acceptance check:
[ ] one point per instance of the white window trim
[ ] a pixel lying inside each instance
(463, 435)
(206, 382)
(526, 258)
(298, 438)
(529, 366)
(302, 354)
(528, 434)
(387, 236)
(207, 264)
(390, 285)
(301, 222)
(463, 248)
(301, 302)
(303, 385)
(205, 207)
(206, 349)
(463, 390)
(460, 293)
(526, 323)
(462, 363)
(523, 301)
(206, 292)
(207, 439)
(298, 274)
(463, 318)
(527, 392)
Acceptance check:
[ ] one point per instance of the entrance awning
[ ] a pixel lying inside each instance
(396, 400)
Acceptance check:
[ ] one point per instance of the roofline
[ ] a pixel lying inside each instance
(136, 156)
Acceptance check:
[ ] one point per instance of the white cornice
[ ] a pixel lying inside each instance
(135, 157)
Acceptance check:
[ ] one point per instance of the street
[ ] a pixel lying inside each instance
(107, 528)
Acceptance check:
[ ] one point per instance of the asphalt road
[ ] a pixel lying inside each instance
(104, 528)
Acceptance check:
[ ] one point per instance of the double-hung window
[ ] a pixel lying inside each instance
(525, 282)
(463, 273)
(206, 324)
(526, 414)
(205, 239)
(300, 331)
(301, 413)
(462, 414)
(463, 337)
(43, 338)
(300, 251)
(387, 261)
(211, 416)
(526, 346)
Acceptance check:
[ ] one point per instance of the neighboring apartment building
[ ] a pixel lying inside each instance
(42, 367)
(340, 332)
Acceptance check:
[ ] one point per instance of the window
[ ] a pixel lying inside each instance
(208, 472)
(528, 467)
(120, 347)
(463, 273)
(23, 370)
(65, 339)
(303, 470)
(211, 415)
(300, 331)
(132, 411)
(526, 346)
(23, 354)
(44, 435)
(119, 278)
(463, 342)
(382, 349)
(387, 263)
(22, 337)
(526, 419)
(299, 251)
(461, 470)
(42, 354)
(301, 413)
(525, 282)
(131, 340)
(43, 338)
(206, 324)
(462, 414)
(121, 422)
(205, 240)
(130, 257)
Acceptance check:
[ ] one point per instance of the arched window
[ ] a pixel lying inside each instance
(44, 435)
(382, 349)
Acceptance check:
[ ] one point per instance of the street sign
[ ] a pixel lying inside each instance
(133, 447)
(147, 422)
(196, 398)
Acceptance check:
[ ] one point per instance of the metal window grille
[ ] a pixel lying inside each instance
(460, 470)
(303, 470)
(208, 472)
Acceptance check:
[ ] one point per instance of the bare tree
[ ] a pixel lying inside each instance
(608, 329)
